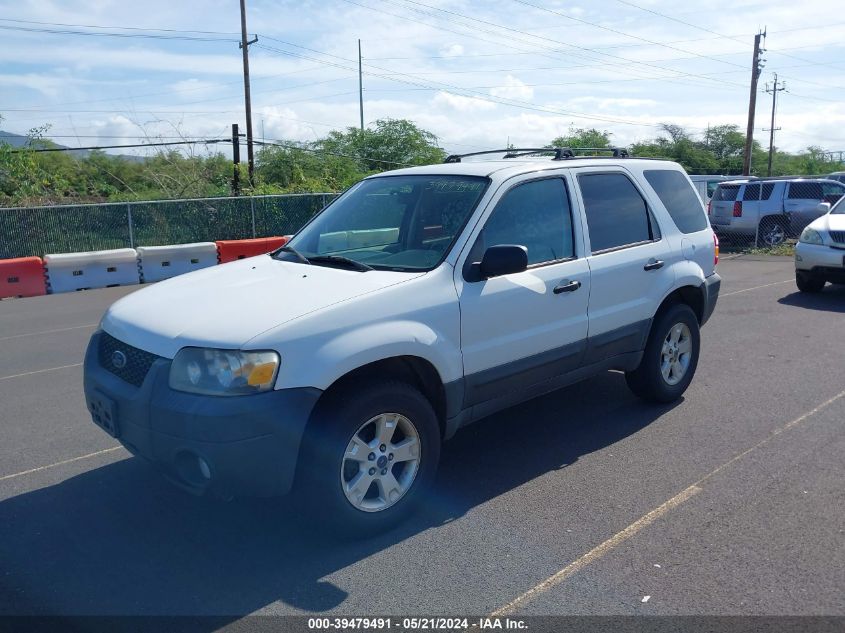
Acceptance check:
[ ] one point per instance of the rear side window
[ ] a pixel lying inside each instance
(726, 193)
(752, 192)
(616, 213)
(768, 188)
(679, 198)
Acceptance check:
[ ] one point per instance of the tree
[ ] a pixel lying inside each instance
(583, 137)
(301, 169)
(391, 144)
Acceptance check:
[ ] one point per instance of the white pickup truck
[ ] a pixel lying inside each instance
(419, 301)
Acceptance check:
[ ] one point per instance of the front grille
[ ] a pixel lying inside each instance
(838, 236)
(137, 361)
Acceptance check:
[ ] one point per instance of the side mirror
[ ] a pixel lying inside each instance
(823, 207)
(503, 259)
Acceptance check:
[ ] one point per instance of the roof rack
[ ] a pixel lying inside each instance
(560, 153)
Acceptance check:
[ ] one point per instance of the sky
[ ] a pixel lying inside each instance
(477, 74)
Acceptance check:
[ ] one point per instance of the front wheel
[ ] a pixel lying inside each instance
(369, 456)
(807, 282)
(670, 357)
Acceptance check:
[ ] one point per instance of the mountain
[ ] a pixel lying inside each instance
(19, 140)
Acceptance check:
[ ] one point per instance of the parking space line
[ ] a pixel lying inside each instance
(61, 463)
(647, 519)
(597, 552)
(39, 371)
(736, 292)
(64, 329)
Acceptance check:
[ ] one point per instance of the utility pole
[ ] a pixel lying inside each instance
(236, 160)
(774, 92)
(360, 86)
(756, 69)
(244, 44)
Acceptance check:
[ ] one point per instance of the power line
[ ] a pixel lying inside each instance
(123, 28)
(150, 36)
(623, 61)
(617, 31)
(101, 147)
(456, 90)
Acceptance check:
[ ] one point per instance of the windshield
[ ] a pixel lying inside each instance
(838, 208)
(405, 223)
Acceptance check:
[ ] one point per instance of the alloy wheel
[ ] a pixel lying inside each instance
(380, 462)
(676, 354)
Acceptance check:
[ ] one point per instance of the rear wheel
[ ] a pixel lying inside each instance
(670, 357)
(369, 455)
(807, 282)
(772, 232)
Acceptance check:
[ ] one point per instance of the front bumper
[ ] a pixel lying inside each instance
(230, 446)
(712, 285)
(818, 259)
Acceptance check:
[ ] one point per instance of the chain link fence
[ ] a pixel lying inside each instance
(27, 231)
(768, 214)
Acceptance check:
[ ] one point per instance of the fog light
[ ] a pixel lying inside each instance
(798, 258)
(205, 471)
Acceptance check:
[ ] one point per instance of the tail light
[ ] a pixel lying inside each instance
(716, 251)
(737, 209)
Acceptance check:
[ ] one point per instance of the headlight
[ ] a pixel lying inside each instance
(223, 372)
(810, 236)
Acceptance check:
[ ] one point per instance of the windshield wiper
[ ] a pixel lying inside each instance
(340, 259)
(290, 249)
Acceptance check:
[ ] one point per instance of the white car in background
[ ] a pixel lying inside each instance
(820, 252)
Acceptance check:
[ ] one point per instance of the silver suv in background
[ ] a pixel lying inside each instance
(771, 210)
(838, 176)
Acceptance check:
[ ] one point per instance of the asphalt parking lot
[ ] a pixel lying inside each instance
(581, 502)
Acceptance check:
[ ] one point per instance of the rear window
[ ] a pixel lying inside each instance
(726, 193)
(679, 198)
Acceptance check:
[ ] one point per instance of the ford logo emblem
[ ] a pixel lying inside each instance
(118, 359)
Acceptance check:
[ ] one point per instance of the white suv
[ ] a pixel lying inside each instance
(419, 301)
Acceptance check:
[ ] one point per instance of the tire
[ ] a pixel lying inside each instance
(648, 381)
(325, 467)
(772, 232)
(807, 282)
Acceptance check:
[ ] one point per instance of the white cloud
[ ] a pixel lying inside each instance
(461, 104)
(195, 86)
(513, 88)
(453, 50)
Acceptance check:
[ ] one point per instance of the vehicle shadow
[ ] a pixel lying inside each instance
(119, 540)
(830, 299)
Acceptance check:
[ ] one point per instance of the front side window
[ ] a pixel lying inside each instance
(535, 215)
(676, 194)
(392, 222)
(805, 191)
(616, 213)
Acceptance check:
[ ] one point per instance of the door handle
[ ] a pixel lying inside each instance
(567, 286)
(654, 264)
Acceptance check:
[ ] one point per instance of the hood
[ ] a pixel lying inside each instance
(829, 222)
(225, 306)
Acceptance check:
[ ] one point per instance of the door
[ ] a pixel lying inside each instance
(630, 263)
(523, 328)
(803, 198)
